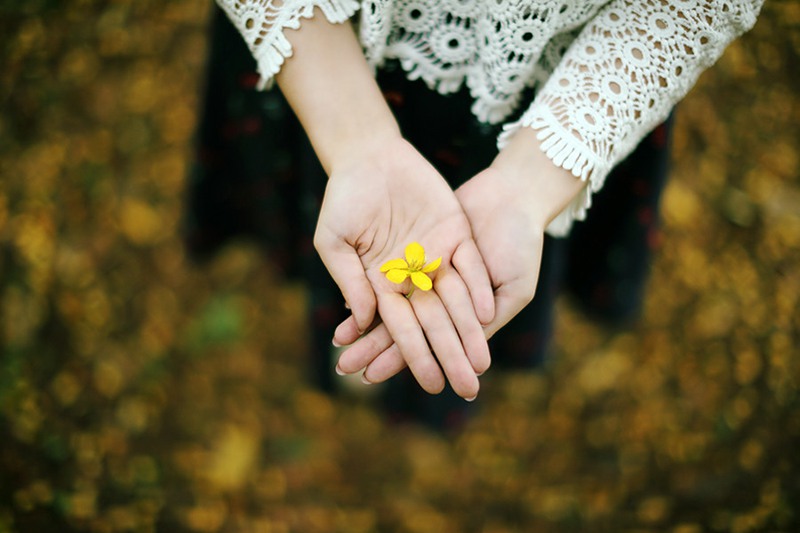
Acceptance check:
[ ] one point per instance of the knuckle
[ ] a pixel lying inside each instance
(318, 241)
(526, 296)
(406, 333)
(526, 299)
(373, 348)
(438, 330)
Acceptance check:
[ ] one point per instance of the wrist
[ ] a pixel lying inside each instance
(544, 188)
(368, 135)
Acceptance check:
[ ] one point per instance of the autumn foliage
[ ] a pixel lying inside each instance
(139, 392)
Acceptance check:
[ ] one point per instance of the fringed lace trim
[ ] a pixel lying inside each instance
(270, 54)
(565, 151)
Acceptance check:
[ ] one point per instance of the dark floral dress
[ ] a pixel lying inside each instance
(255, 176)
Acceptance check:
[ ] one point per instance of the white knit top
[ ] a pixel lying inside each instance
(604, 72)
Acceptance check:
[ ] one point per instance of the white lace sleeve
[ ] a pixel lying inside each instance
(262, 24)
(621, 77)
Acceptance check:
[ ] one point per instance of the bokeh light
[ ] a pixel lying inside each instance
(140, 392)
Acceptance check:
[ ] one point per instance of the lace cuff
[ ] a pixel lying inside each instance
(262, 24)
(620, 78)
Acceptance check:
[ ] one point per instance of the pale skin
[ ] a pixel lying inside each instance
(509, 205)
(382, 194)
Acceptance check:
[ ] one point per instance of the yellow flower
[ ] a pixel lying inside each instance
(413, 266)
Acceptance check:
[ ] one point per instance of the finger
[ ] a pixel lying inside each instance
(510, 299)
(404, 328)
(365, 350)
(469, 263)
(347, 332)
(385, 366)
(347, 271)
(456, 298)
(445, 343)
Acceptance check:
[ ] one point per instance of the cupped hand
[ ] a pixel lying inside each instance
(510, 243)
(377, 202)
(508, 205)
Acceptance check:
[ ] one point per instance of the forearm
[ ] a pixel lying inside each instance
(333, 92)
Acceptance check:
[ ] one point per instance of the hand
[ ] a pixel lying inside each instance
(509, 205)
(510, 243)
(380, 198)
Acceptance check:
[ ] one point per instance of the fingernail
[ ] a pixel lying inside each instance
(346, 305)
(340, 371)
(364, 380)
(335, 344)
(479, 374)
(471, 399)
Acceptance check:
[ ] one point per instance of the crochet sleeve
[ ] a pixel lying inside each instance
(620, 78)
(263, 23)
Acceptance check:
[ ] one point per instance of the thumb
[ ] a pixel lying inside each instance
(346, 269)
(509, 299)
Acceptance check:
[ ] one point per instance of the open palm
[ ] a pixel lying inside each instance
(374, 205)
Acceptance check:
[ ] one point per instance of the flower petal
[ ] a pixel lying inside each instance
(433, 265)
(421, 280)
(397, 275)
(393, 264)
(415, 255)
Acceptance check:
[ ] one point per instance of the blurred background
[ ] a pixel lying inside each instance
(139, 392)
